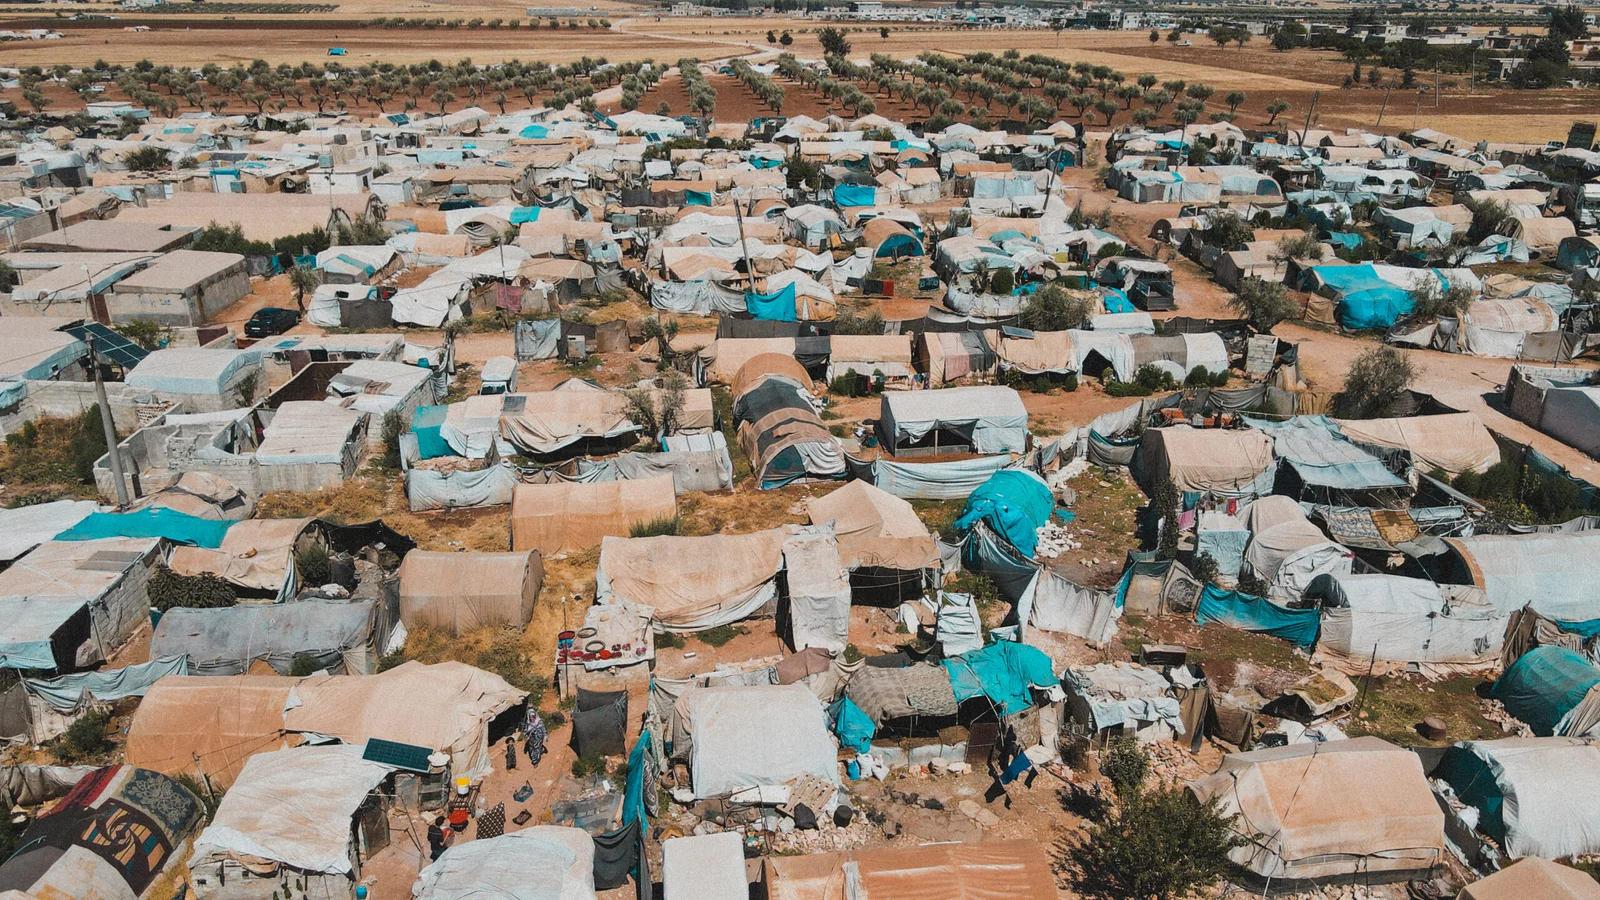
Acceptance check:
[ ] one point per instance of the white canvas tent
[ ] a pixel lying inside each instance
(545, 862)
(745, 737)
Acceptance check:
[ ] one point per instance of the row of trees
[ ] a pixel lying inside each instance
(765, 89)
(262, 87)
(702, 96)
(479, 22)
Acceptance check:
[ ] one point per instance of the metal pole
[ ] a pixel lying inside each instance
(1310, 111)
(744, 245)
(1385, 106)
(112, 453)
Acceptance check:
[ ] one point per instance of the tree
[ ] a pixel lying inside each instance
(833, 42)
(1433, 301)
(1125, 765)
(1053, 309)
(1275, 109)
(1222, 34)
(1155, 845)
(1107, 108)
(1375, 380)
(772, 36)
(1234, 99)
(147, 159)
(785, 39)
(1175, 35)
(1155, 36)
(303, 280)
(1264, 303)
(1164, 503)
(883, 32)
(1282, 40)
(1229, 231)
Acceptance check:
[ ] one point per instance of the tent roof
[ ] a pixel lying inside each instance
(690, 582)
(544, 861)
(1208, 459)
(749, 736)
(1533, 877)
(875, 528)
(1321, 810)
(572, 516)
(1453, 442)
(1548, 571)
(293, 807)
(1015, 868)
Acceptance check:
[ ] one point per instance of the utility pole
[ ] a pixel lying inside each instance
(113, 455)
(1385, 106)
(1310, 111)
(744, 245)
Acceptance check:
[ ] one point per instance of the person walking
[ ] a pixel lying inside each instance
(511, 754)
(534, 735)
(436, 838)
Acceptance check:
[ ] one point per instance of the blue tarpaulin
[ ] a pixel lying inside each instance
(1349, 240)
(425, 424)
(1297, 626)
(1365, 299)
(1544, 685)
(1004, 672)
(1013, 502)
(155, 522)
(534, 131)
(697, 198)
(524, 214)
(854, 195)
(1116, 300)
(776, 307)
(68, 693)
(853, 726)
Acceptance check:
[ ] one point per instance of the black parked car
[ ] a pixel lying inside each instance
(270, 320)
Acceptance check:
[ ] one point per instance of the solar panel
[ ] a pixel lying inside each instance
(393, 753)
(111, 346)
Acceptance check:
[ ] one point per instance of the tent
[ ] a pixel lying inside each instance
(1014, 868)
(743, 737)
(1536, 796)
(288, 808)
(109, 838)
(340, 636)
(692, 583)
(545, 422)
(68, 604)
(1226, 463)
(875, 528)
(462, 592)
(568, 517)
(1534, 877)
(1550, 687)
(1004, 672)
(1406, 620)
(887, 238)
(986, 419)
(543, 862)
(1324, 459)
(212, 725)
(1548, 571)
(1286, 550)
(779, 430)
(1357, 807)
(1247, 613)
(1450, 442)
(1014, 503)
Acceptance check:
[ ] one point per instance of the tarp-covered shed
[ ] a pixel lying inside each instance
(1536, 796)
(989, 870)
(1329, 810)
(462, 592)
(1229, 463)
(1531, 876)
(340, 636)
(543, 862)
(569, 517)
(743, 737)
(875, 528)
(986, 419)
(692, 583)
(1549, 571)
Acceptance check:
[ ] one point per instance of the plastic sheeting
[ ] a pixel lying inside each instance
(1536, 796)
(778, 306)
(1550, 572)
(993, 416)
(68, 693)
(951, 480)
(1544, 686)
(1242, 611)
(544, 862)
(1391, 618)
(431, 489)
(691, 583)
(153, 522)
(1006, 672)
(875, 528)
(292, 807)
(1015, 503)
(569, 517)
(1231, 463)
(335, 634)
(462, 592)
(1322, 457)
(753, 736)
(819, 590)
(26, 527)
(1451, 442)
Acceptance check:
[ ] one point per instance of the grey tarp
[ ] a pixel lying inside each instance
(544, 862)
(951, 480)
(336, 634)
(754, 736)
(537, 338)
(69, 692)
(432, 489)
(819, 590)
(31, 785)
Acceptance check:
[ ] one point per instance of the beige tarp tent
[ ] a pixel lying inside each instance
(1046, 351)
(992, 870)
(726, 356)
(692, 583)
(1341, 808)
(551, 420)
(1453, 442)
(758, 367)
(875, 528)
(212, 725)
(1204, 460)
(869, 354)
(459, 592)
(189, 724)
(255, 553)
(1532, 877)
(569, 517)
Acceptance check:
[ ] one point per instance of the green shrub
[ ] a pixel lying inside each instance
(1125, 765)
(719, 635)
(1154, 845)
(314, 566)
(85, 739)
(169, 590)
(656, 527)
(1204, 568)
(670, 639)
(507, 656)
(850, 384)
(393, 427)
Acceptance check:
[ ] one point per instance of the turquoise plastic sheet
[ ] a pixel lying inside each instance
(155, 522)
(1297, 626)
(1544, 685)
(776, 307)
(524, 214)
(425, 424)
(1014, 503)
(1004, 672)
(853, 726)
(854, 195)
